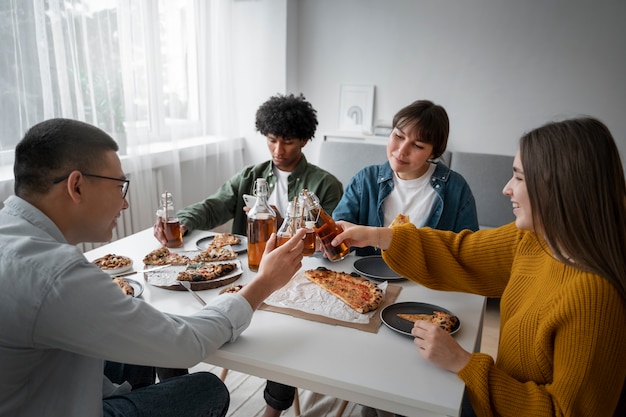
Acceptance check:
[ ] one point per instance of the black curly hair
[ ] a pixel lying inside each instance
(287, 116)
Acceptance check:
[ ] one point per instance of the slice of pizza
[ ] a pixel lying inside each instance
(446, 321)
(124, 286)
(212, 254)
(163, 256)
(197, 272)
(400, 220)
(224, 239)
(111, 261)
(415, 317)
(354, 290)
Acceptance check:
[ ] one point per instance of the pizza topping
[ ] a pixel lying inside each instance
(215, 254)
(205, 271)
(163, 256)
(124, 286)
(446, 321)
(112, 261)
(357, 292)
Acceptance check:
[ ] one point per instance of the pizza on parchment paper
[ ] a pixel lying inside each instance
(163, 256)
(359, 293)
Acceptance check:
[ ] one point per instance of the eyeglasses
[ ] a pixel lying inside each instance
(123, 189)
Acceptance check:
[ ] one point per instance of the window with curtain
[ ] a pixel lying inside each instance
(154, 74)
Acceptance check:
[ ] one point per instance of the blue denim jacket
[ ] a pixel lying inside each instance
(362, 201)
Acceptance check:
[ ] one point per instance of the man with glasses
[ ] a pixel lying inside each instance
(62, 317)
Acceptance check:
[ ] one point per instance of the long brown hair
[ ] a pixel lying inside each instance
(577, 193)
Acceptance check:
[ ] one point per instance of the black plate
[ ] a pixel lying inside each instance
(389, 317)
(241, 247)
(376, 268)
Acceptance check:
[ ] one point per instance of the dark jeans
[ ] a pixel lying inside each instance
(201, 394)
(279, 396)
(139, 376)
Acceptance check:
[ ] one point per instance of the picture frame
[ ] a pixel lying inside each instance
(356, 108)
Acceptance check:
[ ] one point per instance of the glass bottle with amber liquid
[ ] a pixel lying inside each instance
(290, 225)
(325, 227)
(169, 219)
(261, 224)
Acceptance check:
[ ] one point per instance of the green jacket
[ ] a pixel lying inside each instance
(227, 203)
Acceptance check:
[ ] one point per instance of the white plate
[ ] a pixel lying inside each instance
(240, 247)
(391, 320)
(375, 267)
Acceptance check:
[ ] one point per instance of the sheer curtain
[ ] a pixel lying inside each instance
(155, 74)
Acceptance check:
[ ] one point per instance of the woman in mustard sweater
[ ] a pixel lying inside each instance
(560, 270)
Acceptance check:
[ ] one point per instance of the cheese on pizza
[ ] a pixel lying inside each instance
(196, 272)
(124, 286)
(400, 220)
(163, 256)
(357, 292)
(215, 254)
(111, 261)
(446, 321)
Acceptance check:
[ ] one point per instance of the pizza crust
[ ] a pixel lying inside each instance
(124, 286)
(446, 321)
(357, 292)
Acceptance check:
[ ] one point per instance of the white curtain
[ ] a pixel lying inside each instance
(155, 74)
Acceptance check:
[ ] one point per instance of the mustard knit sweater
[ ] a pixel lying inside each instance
(562, 349)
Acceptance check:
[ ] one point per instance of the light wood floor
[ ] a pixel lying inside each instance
(246, 391)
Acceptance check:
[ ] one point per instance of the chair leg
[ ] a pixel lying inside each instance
(341, 408)
(223, 374)
(296, 403)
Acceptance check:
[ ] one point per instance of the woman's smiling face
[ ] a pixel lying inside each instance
(516, 190)
(407, 155)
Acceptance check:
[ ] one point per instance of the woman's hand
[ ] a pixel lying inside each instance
(437, 346)
(362, 236)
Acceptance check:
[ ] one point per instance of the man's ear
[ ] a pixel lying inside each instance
(75, 184)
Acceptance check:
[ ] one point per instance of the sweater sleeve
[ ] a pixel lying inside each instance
(474, 262)
(576, 367)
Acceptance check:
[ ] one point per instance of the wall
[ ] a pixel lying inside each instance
(499, 67)
(259, 62)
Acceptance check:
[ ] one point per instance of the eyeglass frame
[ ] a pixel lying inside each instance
(124, 189)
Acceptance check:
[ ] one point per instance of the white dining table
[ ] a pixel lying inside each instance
(383, 370)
